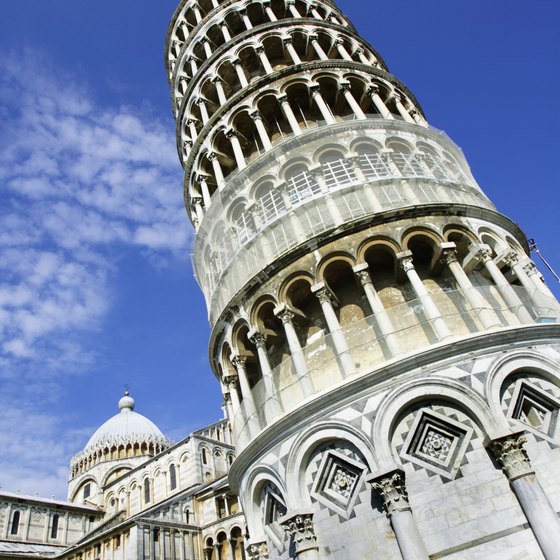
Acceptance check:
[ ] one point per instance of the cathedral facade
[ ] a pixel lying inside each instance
(388, 353)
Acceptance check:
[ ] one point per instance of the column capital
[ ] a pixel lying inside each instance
(197, 200)
(283, 98)
(448, 253)
(323, 293)
(239, 361)
(362, 273)
(315, 88)
(212, 156)
(299, 526)
(405, 260)
(345, 85)
(287, 40)
(392, 488)
(373, 89)
(530, 268)
(257, 338)
(230, 381)
(216, 79)
(510, 453)
(284, 313)
(257, 551)
(231, 132)
(256, 115)
(510, 258)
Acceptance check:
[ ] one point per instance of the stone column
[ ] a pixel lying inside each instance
(264, 60)
(261, 129)
(197, 205)
(299, 527)
(476, 301)
(405, 261)
(339, 44)
(231, 383)
(513, 458)
(318, 49)
(240, 72)
(292, 51)
(207, 49)
(373, 92)
(269, 12)
(535, 277)
(379, 313)
(237, 150)
(392, 489)
(217, 81)
(314, 12)
(257, 551)
(362, 55)
(248, 400)
(289, 114)
(323, 107)
(401, 109)
(225, 32)
(205, 191)
(192, 129)
(354, 105)
(286, 315)
(536, 295)
(246, 19)
(203, 110)
(194, 65)
(197, 13)
(483, 254)
(293, 9)
(259, 340)
(217, 168)
(326, 299)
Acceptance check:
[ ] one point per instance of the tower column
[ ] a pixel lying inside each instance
(323, 107)
(392, 490)
(237, 150)
(205, 191)
(264, 60)
(288, 43)
(259, 340)
(476, 301)
(261, 129)
(379, 313)
(511, 454)
(326, 298)
(225, 32)
(207, 49)
(289, 114)
(286, 315)
(339, 44)
(354, 105)
(218, 173)
(318, 49)
(299, 527)
(483, 254)
(402, 110)
(373, 92)
(269, 12)
(217, 81)
(535, 277)
(292, 8)
(240, 72)
(406, 263)
(253, 420)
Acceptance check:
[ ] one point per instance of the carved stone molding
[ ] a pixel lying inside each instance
(299, 527)
(511, 455)
(392, 489)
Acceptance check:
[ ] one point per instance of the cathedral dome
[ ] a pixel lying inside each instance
(125, 435)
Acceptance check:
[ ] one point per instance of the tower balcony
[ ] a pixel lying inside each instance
(372, 351)
(253, 223)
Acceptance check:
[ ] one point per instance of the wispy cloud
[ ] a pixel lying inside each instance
(80, 183)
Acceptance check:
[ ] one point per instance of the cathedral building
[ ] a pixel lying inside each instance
(387, 350)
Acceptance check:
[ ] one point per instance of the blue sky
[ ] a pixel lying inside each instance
(96, 288)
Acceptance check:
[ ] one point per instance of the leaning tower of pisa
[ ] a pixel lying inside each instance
(388, 352)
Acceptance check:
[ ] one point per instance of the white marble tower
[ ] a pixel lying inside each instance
(388, 352)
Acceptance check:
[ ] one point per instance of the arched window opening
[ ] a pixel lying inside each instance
(54, 526)
(270, 202)
(204, 456)
(14, 529)
(147, 493)
(310, 322)
(172, 477)
(341, 280)
(382, 269)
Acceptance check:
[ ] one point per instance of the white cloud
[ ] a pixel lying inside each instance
(79, 184)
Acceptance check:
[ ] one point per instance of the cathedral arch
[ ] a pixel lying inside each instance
(116, 472)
